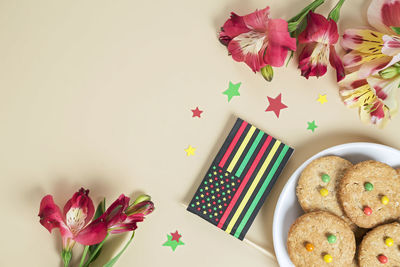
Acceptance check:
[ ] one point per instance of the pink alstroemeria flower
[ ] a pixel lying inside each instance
(121, 217)
(257, 40)
(73, 222)
(373, 57)
(320, 36)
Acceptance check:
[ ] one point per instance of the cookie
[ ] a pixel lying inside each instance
(321, 239)
(380, 247)
(370, 194)
(318, 184)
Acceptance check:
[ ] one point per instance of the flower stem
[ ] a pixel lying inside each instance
(93, 255)
(335, 12)
(85, 251)
(66, 256)
(296, 20)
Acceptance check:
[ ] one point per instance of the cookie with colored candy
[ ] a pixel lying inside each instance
(370, 194)
(321, 239)
(380, 246)
(318, 184)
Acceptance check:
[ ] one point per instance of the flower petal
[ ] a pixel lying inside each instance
(129, 224)
(378, 116)
(278, 34)
(234, 26)
(249, 47)
(386, 91)
(50, 214)
(145, 208)
(391, 45)
(279, 41)
(319, 29)
(362, 40)
(382, 14)
(258, 20)
(122, 228)
(115, 213)
(374, 66)
(336, 62)
(309, 63)
(80, 208)
(356, 58)
(94, 233)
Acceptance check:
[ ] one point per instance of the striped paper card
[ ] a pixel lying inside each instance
(240, 178)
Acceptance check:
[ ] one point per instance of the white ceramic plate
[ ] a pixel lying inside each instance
(288, 209)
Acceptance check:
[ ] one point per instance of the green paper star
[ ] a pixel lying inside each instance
(232, 91)
(172, 243)
(312, 126)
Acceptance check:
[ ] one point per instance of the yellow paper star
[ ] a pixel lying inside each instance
(322, 99)
(190, 151)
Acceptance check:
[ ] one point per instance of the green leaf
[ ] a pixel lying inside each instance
(101, 208)
(395, 29)
(114, 260)
(267, 72)
(335, 12)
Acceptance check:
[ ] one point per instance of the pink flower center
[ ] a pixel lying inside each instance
(251, 42)
(75, 218)
(320, 54)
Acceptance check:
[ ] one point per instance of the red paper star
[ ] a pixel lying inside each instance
(196, 112)
(176, 236)
(275, 105)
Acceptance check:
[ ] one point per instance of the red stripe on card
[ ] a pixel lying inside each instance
(244, 182)
(232, 145)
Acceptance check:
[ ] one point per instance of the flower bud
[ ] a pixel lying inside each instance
(267, 72)
(141, 198)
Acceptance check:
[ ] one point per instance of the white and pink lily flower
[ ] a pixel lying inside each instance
(373, 60)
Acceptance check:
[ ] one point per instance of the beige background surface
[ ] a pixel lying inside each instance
(98, 94)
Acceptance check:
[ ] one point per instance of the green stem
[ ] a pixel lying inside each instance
(85, 251)
(95, 252)
(335, 12)
(66, 256)
(305, 10)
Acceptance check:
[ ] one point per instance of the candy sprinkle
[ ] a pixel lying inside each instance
(328, 258)
(309, 247)
(367, 210)
(325, 178)
(368, 186)
(324, 192)
(384, 200)
(389, 242)
(382, 259)
(331, 239)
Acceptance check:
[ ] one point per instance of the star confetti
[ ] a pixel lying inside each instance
(322, 99)
(173, 241)
(232, 91)
(312, 126)
(190, 151)
(275, 105)
(176, 236)
(196, 112)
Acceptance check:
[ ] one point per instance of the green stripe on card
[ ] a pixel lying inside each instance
(261, 191)
(249, 154)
